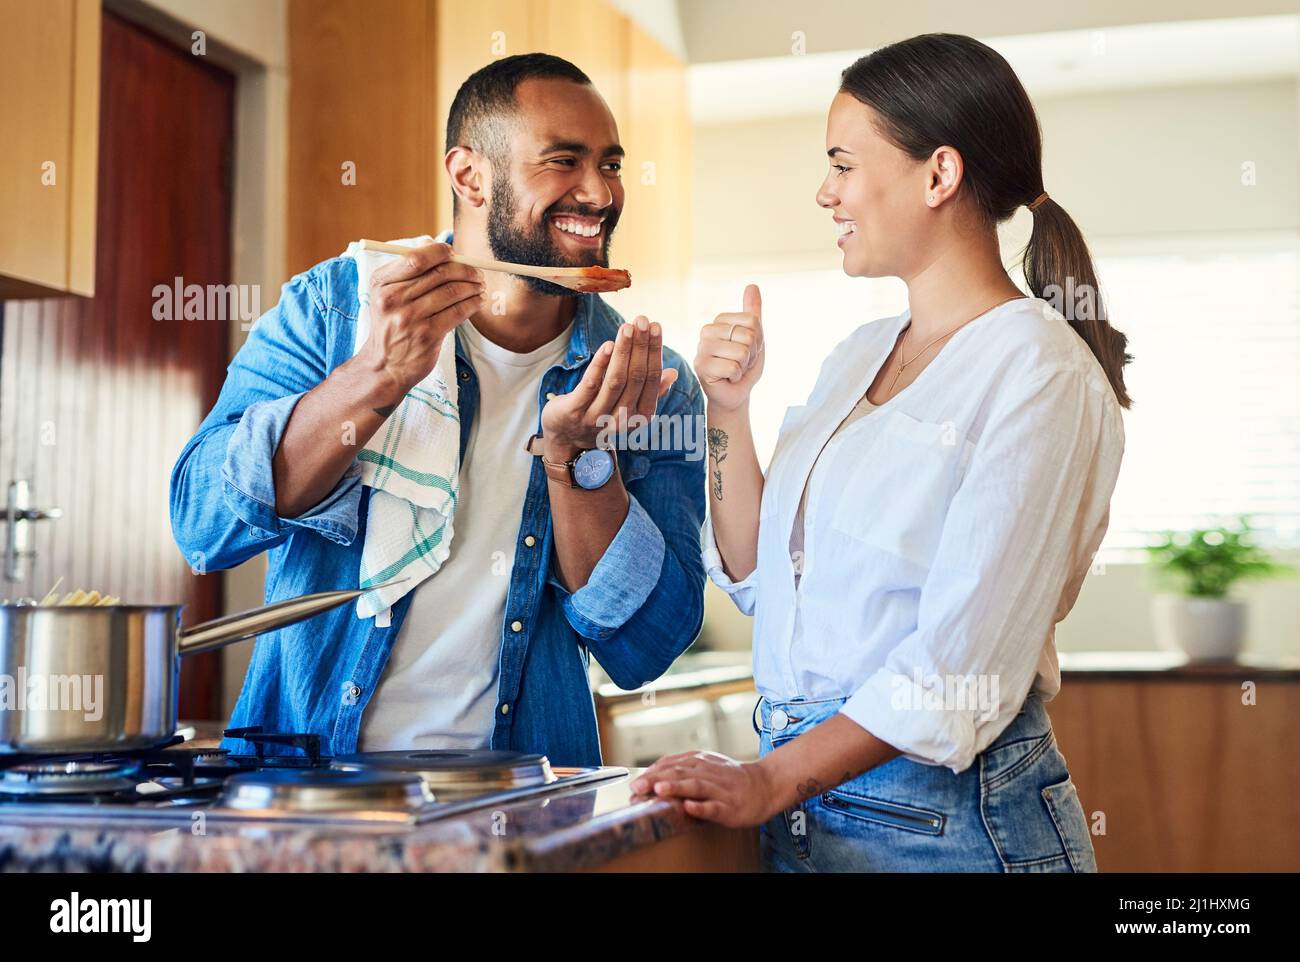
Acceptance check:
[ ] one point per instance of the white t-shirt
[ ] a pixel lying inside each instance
(439, 688)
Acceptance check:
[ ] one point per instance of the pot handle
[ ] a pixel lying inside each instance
(218, 632)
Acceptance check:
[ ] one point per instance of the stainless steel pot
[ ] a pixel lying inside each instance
(104, 679)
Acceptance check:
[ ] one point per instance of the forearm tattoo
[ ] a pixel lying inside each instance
(813, 786)
(717, 440)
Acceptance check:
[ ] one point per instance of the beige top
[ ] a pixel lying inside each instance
(860, 410)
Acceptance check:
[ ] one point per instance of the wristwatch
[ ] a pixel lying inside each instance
(589, 469)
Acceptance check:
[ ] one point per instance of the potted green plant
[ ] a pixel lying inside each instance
(1198, 618)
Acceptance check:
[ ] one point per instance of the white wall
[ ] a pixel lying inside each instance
(1133, 163)
(1169, 161)
(739, 29)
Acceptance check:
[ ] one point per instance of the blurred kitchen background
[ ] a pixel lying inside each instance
(240, 141)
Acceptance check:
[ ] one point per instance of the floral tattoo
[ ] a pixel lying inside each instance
(717, 440)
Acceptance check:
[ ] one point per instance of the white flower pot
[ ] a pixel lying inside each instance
(1204, 629)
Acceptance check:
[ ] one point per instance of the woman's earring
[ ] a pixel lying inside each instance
(932, 198)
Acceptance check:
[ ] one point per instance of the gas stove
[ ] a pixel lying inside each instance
(174, 783)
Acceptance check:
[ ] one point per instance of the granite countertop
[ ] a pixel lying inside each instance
(583, 828)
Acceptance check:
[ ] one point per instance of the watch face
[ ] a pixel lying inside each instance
(593, 468)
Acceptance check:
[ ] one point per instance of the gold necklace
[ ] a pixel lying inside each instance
(921, 352)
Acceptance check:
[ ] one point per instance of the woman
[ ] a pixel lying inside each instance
(931, 512)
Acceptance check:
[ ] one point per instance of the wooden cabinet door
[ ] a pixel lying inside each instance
(592, 34)
(49, 70)
(470, 36)
(1184, 775)
(654, 235)
(364, 146)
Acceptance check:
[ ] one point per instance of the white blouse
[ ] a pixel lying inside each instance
(947, 530)
(861, 409)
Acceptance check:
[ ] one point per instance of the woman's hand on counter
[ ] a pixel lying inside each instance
(712, 787)
(744, 794)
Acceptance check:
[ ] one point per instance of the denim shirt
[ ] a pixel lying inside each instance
(640, 609)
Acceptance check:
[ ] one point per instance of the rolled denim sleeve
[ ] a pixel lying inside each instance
(644, 602)
(743, 593)
(623, 578)
(222, 496)
(249, 485)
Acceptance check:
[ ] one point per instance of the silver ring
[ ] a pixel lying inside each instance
(731, 332)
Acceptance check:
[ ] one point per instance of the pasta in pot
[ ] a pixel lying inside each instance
(78, 598)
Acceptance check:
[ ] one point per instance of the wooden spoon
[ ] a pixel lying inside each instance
(587, 280)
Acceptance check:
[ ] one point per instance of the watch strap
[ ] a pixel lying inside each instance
(561, 471)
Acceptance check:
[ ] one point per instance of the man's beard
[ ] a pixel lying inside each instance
(535, 246)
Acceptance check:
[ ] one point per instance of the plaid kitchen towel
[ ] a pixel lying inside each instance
(411, 464)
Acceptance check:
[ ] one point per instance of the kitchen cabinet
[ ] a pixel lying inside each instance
(640, 738)
(595, 36)
(733, 720)
(1188, 768)
(705, 701)
(49, 124)
(470, 36)
(364, 141)
(654, 237)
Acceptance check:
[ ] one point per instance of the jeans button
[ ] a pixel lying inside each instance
(779, 719)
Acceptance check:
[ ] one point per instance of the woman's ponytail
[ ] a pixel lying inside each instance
(1058, 268)
(945, 89)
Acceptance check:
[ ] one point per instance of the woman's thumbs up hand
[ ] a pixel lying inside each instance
(730, 359)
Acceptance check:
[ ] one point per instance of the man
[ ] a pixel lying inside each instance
(492, 650)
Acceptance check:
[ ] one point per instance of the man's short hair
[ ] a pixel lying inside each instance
(487, 98)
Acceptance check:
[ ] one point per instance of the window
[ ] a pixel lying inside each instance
(1215, 427)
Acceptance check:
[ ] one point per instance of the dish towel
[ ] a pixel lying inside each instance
(411, 464)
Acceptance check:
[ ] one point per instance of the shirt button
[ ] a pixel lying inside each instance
(354, 691)
(505, 709)
(516, 626)
(550, 395)
(464, 375)
(779, 719)
(530, 541)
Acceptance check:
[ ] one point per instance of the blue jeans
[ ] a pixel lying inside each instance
(1014, 810)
